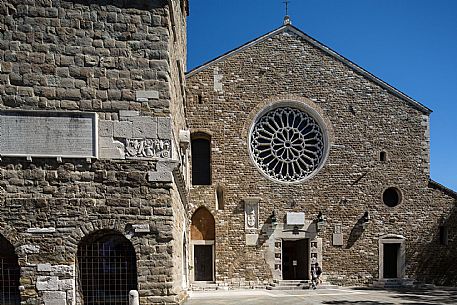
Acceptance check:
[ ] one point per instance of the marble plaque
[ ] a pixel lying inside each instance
(337, 239)
(48, 134)
(251, 239)
(295, 218)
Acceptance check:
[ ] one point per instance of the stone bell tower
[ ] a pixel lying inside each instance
(93, 151)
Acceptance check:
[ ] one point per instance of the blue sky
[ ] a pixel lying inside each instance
(410, 44)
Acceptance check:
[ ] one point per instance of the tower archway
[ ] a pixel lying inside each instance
(9, 274)
(107, 268)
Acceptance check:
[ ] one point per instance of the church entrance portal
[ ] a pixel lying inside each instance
(391, 256)
(295, 259)
(391, 252)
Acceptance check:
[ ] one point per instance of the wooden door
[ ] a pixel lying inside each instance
(391, 260)
(295, 259)
(203, 262)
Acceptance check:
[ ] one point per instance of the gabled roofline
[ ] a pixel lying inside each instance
(438, 186)
(325, 49)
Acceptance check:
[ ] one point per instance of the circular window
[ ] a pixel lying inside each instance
(391, 197)
(287, 144)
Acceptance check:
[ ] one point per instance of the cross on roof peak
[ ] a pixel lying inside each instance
(286, 17)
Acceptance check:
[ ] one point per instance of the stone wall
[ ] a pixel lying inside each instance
(122, 61)
(435, 262)
(362, 116)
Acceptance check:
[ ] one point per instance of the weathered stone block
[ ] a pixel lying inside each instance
(164, 128)
(141, 228)
(47, 283)
(41, 230)
(105, 128)
(29, 249)
(44, 267)
(123, 129)
(54, 298)
(145, 95)
(251, 239)
(160, 176)
(127, 114)
(144, 127)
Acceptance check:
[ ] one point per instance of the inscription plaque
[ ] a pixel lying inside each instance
(48, 134)
(295, 218)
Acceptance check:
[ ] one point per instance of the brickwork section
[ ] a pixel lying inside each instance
(362, 120)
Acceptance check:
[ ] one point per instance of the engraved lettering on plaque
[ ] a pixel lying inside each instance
(48, 134)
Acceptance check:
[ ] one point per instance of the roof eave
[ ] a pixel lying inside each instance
(435, 185)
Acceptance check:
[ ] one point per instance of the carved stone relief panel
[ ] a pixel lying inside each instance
(135, 137)
(251, 213)
(147, 148)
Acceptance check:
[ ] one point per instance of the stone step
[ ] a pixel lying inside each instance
(290, 282)
(394, 283)
(203, 286)
(289, 285)
(326, 285)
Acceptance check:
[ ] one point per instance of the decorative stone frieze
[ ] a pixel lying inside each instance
(147, 148)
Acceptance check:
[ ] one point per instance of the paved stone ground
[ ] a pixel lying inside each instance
(341, 296)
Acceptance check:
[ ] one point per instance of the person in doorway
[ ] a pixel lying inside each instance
(318, 271)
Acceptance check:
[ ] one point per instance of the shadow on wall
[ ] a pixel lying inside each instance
(356, 232)
(437, 260)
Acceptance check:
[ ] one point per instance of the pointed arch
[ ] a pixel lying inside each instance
(9, 274)
(106, 268)
(202, 225)
(202, 235)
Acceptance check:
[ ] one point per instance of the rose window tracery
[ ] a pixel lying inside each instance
(287, 144)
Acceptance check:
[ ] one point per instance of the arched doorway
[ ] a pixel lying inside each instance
(107, 268)
(202, 233)
(9, 274)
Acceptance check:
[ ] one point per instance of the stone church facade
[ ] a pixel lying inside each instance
(124, 181)
(313, 159)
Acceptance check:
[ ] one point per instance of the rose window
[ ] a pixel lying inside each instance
(287, 144)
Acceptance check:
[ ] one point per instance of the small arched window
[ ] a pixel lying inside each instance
(9, 274)
(220, 197)
(201, 159)
(382, 156)
(107, 268)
